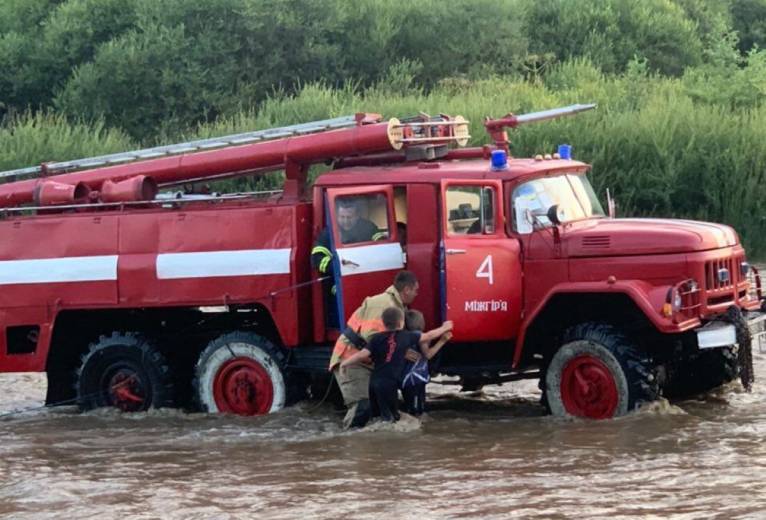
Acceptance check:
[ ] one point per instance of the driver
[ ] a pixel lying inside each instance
(352, 229)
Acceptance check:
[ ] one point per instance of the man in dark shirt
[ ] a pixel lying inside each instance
(389, 352)
(352, 229)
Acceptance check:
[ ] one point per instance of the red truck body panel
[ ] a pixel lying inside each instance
(207, 256)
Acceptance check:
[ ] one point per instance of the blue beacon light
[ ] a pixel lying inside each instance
(499, 160)
(565, 151)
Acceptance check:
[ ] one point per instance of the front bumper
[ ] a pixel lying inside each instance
(715, 334)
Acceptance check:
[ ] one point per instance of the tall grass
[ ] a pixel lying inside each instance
(662, 152)
(33, 138)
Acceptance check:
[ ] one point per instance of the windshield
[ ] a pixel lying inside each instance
(572, 192)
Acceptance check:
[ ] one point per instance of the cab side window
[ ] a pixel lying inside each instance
(470, 210)
(362, 218)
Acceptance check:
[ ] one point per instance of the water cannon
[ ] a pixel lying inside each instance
(496, 128)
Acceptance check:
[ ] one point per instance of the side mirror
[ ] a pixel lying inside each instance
(555, 214)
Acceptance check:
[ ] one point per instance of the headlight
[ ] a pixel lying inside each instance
(681, 298)
(676, 303)
(672, 302)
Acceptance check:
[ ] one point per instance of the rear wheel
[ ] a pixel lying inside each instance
(241, 373)
(123, 371)
(598, 374)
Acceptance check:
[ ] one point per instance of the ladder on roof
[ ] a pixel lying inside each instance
(182, 148)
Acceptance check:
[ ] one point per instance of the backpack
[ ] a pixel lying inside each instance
(417, 374)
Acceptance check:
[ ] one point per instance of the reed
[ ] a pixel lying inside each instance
(34, 138)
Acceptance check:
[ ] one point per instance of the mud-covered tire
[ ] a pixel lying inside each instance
(702, 372)
(598, 373)
(241, 373)
(720, 366)
(124, 371)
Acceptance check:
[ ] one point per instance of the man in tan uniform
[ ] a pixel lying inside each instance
(367, 320)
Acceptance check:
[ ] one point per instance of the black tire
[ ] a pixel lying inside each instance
(599, 373)
(701, 372)
(123, 371)
(242, 373)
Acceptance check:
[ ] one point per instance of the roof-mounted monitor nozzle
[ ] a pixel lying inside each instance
(497, 127)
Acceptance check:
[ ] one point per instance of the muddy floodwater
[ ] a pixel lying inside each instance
(488, 455)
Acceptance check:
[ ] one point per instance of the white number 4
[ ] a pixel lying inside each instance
(485, 270)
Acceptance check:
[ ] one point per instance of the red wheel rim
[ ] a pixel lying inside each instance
(126, 391)
(588, 388)
(243, 387)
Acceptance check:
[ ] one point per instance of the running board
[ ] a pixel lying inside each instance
(309, 359)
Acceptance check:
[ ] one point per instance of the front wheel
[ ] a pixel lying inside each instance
(598, 373)
(240, 373)
(701, 372)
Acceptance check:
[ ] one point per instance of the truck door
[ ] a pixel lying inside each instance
(481, 267)
(365, 244)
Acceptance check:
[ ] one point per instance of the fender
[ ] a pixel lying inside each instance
(648, 298)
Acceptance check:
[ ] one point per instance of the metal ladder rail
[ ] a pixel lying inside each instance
(181, 148)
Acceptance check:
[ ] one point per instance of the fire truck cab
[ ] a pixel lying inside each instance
(445, 222)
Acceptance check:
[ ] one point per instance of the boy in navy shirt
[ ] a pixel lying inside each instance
(389, 352)
(416, 375)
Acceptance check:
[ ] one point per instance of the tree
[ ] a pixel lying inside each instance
(613, 32)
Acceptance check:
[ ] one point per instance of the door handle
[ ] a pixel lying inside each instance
(455, 251)
(349, 263)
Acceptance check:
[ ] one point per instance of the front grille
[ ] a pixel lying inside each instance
(714, 279)
(731, 287)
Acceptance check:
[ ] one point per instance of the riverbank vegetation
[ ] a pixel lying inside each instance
(680, 128)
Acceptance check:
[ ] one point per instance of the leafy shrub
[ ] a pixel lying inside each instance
(612, 32)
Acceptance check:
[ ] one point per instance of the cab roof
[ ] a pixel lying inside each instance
(434, 172)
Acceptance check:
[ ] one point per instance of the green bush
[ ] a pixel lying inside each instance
(612, 32)
(40, 43)
(749, 20)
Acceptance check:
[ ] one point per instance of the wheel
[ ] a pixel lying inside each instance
(240, 373)
(706, 370)
(124, 371)
(598, 374)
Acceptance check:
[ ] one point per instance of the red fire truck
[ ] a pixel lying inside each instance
(135, 298)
